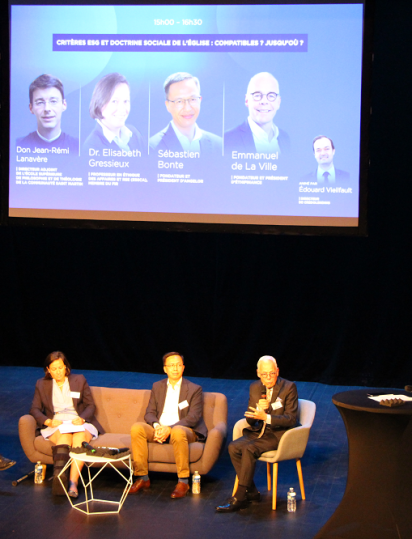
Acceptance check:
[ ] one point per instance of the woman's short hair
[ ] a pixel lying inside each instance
(103, 92)
(53, 357)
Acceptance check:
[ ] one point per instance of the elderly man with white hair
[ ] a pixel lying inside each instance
(272, 410)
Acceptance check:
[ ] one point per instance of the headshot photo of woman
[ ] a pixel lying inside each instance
(64, 409)
(110, 107)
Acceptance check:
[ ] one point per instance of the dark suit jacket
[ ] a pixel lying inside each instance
(98, 141)
(166, 139)
(340, 175)
(241, 139)
(191, 416)
(42, 405)
(283, 418)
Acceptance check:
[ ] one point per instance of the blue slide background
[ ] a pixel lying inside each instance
(320, 92)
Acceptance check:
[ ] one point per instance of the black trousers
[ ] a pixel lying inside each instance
(245, 451)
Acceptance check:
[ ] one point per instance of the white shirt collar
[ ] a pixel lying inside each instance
(125, 134)
(50, 139)
(183, 138)
(260, 133)
(178, 384)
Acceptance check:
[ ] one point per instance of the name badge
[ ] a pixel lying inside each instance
(75, 394)
(277, 404)
(183, 405)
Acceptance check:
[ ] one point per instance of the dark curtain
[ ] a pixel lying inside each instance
(330, 309)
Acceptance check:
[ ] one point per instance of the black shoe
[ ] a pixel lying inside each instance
(5, 464)
(253, 496)
(233, 504)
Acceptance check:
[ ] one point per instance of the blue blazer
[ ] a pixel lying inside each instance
(166, 139)
(241, 139)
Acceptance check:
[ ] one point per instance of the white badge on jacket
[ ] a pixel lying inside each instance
(183, 405)
(75, 394)
(277, 404)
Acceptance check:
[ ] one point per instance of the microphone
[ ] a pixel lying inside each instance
(89, 447)
(263, 393)
(108, 450)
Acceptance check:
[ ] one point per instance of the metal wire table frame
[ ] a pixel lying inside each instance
(89, 460)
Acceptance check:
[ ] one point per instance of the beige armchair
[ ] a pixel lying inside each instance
(117, 409)
(292, 445)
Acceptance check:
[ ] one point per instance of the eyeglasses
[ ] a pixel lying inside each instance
(40, 103)
(267, 374)
(178, 365)
(258, 96)
(180, 103)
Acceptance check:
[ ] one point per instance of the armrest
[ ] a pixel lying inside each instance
(27, 434)
(293, 443)
(238, 428)
(213, 447)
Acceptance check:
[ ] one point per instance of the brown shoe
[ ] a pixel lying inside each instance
(138, 485)
(180, 490)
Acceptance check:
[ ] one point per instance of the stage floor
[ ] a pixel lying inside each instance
(31, 511)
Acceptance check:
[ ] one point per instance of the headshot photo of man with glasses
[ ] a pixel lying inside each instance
(47, 104)
(183, 100)
(259, 133)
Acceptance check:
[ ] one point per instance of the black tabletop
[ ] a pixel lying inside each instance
(357, 399)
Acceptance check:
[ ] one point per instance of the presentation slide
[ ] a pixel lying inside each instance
(197, 114)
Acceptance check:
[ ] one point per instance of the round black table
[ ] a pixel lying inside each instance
(377, 503)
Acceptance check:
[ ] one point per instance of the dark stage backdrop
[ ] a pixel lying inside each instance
(330, 309)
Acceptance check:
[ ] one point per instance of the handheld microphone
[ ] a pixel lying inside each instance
(89, 447)
(264, 392)
(108, 450)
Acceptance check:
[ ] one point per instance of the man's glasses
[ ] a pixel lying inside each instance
(40, 103)
(267, 374)
(180, 103)
(172, 365)
(258, 96)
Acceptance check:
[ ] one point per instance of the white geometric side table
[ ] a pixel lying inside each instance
(89, 460)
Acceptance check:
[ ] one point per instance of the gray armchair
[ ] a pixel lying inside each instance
(292, 445)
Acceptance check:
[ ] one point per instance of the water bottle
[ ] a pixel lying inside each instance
(38, 473)
(291, 501)
(196, 483)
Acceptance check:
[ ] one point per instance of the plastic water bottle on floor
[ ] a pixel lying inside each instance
(196, 483)
(291, 501)
(38, 473)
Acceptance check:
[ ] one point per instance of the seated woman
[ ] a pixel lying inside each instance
(110, 107)
(64, 405)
